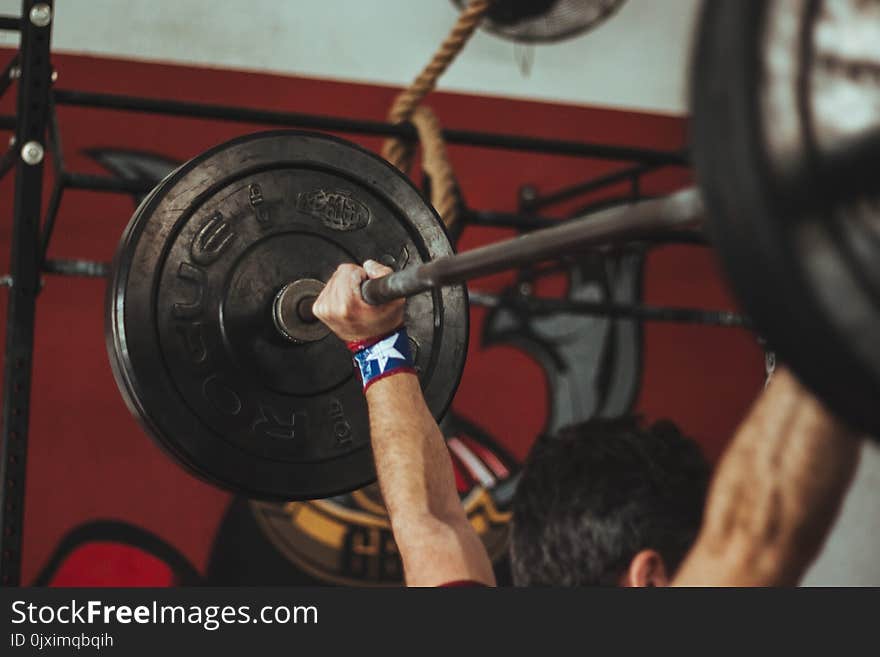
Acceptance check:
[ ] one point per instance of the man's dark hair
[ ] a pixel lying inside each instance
(595, 494)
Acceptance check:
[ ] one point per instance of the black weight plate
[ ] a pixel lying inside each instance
(770, 81)
(190, 329)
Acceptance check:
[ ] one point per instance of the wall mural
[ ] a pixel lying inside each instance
(591, 363)
(592, 366)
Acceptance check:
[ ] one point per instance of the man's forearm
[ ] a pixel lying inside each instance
(435, 540)
(776, 493)
(411, 456)
(434, 537)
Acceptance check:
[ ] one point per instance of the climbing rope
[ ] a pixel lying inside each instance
(406, 107)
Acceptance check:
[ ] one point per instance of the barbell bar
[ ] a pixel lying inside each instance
(678, 212)
(682, 211)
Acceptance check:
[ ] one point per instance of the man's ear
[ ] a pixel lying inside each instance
(646, 569)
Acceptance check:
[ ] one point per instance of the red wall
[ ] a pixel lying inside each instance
(88, 459)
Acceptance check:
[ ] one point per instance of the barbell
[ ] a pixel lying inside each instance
(216, 350)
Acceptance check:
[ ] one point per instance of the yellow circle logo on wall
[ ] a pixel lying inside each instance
(347, 539)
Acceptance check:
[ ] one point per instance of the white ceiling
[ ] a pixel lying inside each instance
(637, 59)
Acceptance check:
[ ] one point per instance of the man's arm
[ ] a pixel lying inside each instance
(776, 494)
(437, 543)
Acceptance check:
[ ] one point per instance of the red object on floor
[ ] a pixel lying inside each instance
(112, 564)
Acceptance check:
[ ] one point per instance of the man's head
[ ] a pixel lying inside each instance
(607, 503)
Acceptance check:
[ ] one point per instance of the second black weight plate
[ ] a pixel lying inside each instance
(780, 91)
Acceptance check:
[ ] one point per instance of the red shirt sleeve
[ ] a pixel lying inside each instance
(460, 583)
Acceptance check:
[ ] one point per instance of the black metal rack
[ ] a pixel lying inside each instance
(36, 131)
(26, 152)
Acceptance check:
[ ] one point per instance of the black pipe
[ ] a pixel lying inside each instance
(55, 145)
(6, 77)
(554, 306)
(592, 185)
(12, 23)
(364, 127)
(105, 183)
(522, 222)
(8, 160)
(525, 223)
(8, 123)
(51, 215)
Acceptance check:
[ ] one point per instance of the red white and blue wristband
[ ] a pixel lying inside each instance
(382, 356)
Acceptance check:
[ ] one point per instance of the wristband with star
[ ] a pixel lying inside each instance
(382, 356)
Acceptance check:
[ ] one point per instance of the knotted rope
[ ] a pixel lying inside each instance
(406, 108)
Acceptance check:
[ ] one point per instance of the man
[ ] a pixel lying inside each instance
(772, 501)
(607, 503)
